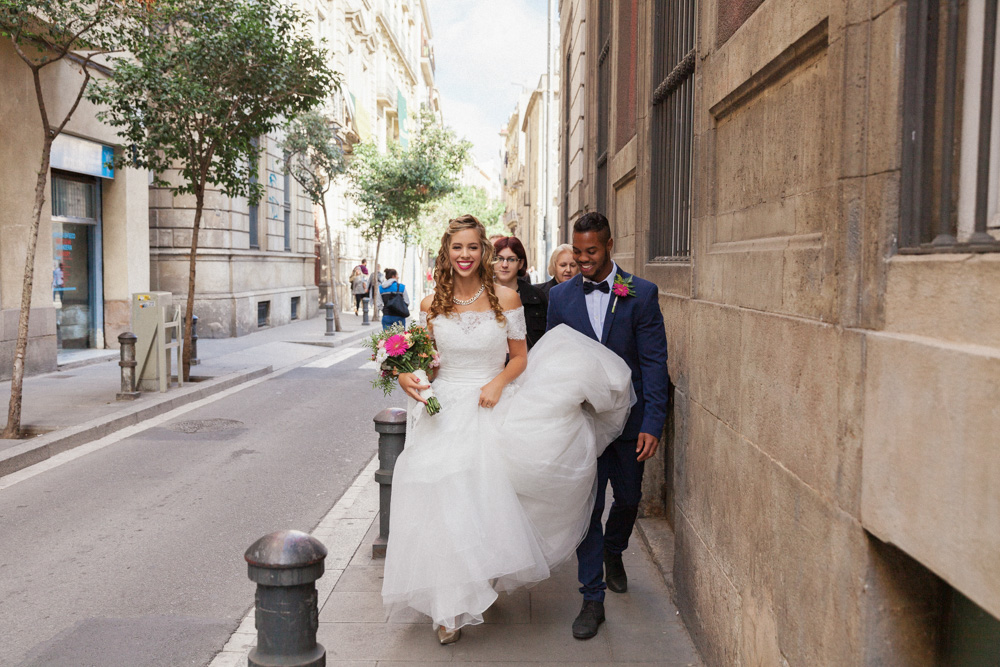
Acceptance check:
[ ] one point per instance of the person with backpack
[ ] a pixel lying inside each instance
(392, 300)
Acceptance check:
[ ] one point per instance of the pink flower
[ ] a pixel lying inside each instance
(396, 346)
(620, 289)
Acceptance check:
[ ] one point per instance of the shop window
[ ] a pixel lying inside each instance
(263, 313)
(950, 189)
(672, 130)
(77, 267)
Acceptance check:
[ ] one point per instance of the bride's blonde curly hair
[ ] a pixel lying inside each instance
(444, 288)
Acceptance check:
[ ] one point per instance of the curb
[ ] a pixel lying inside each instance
(46, 446)
(341, 338)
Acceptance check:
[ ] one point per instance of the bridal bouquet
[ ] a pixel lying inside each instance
(397, 350)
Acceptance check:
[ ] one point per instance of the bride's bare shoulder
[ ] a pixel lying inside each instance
(425, 303)
(509, 300)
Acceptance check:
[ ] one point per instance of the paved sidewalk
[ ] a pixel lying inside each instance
(77, 404)
(528, 627)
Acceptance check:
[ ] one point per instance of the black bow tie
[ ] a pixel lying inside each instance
(589, 286)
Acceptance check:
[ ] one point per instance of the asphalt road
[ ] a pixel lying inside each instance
(132, 555)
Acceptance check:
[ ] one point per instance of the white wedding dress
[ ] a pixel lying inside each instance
(487, 500)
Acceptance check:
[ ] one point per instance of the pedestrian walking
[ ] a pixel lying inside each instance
(393, 300)
(562, 267)
(359, 286)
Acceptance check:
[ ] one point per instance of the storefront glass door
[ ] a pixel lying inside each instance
(77, 290)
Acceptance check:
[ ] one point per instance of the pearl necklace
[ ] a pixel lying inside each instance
(466, 302)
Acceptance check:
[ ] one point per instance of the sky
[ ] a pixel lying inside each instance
(485, 51)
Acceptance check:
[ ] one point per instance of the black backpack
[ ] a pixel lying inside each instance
(393, 304)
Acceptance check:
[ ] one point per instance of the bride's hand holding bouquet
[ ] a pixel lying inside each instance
(406, 354)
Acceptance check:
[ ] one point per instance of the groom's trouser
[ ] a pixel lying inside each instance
(618, 465)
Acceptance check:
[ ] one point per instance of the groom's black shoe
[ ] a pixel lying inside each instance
(591, 616)
(614, 573)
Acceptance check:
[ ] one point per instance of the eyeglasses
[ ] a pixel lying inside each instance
(507, 260)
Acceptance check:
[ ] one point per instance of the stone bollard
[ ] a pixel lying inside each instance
(329, 319)
(391, 427)
(365, 302)
(194, 341)
(285, 566)
(127, 342)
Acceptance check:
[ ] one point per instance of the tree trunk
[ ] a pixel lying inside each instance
(199, 197)
(374, 277)
(333, 269)
(13, 428)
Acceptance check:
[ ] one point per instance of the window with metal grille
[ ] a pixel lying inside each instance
(671, 131)
(951, 142)
(254, 209)
(625, 106)
(288, 205)
(603, 104)
(263, 313)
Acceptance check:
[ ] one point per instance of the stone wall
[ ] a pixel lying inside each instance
(830, 464)
(231, 277)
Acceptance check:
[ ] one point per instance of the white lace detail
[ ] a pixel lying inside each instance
(423, 318)
(517, 328)
(473, 345)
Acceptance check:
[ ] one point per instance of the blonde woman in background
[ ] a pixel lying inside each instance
(562, 267)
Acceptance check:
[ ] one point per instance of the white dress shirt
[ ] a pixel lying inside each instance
(597, 302)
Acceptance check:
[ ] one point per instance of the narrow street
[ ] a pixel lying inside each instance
(133, 554)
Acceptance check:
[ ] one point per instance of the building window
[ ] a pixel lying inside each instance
(951, 141)
(254, 210)
(288, 205)
(567, 94)
(295, 307)
(263, 313)
(625, 108)
(672, 130)
(603, 104)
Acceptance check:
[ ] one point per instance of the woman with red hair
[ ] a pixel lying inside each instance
(510, 268)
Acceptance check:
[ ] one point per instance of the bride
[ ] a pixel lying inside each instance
(497, 489)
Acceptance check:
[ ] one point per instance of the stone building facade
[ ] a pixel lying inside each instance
(384, 50)
(93, 242)
(529, 206)
(808, 184)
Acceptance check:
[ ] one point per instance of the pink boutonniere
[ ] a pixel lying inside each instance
(621, 288)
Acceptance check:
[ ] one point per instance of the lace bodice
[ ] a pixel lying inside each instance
(473, 345)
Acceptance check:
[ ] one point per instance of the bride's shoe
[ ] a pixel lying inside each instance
(446, 636)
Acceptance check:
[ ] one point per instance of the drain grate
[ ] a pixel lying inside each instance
(205, 425)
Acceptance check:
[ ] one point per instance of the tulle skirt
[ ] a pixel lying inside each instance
(487, 500)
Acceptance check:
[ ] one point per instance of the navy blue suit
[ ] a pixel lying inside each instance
(635, 332)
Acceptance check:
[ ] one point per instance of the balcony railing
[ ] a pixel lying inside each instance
(385, 90)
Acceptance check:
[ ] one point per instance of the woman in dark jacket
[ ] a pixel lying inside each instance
(510, 271)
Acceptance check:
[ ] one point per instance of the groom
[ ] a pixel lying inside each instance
(622, 312)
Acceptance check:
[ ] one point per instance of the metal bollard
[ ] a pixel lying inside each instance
(194, 341)
(329, 319)
(285, 566)
(127, 342)
(391, 427)
(365, 302)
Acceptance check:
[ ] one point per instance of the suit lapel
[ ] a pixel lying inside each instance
(610, 313)
(578, 308)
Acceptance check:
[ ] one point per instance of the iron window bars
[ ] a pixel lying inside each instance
(672, 128)
(950, 178)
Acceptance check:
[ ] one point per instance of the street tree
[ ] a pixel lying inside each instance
(466, 199)
(46, 33)
(204, 80)
(314, 157)
(393, 187)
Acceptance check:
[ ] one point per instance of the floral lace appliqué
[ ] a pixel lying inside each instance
(469, 320)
